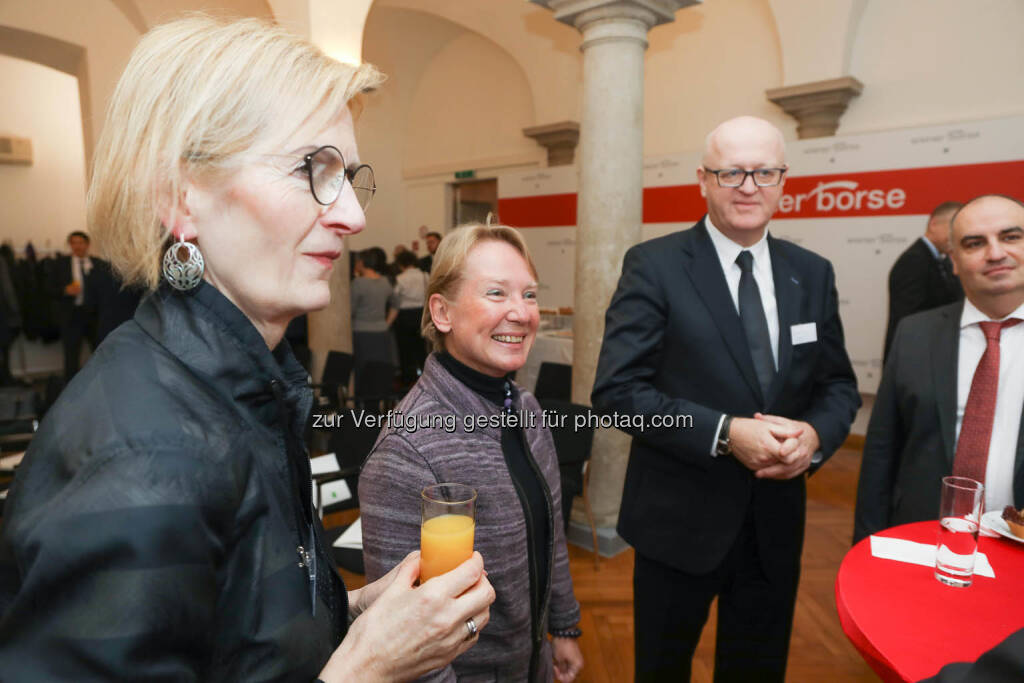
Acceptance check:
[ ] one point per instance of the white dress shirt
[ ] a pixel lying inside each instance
(410, 289)
(1002, 449)
(80, 267)
(727, 251)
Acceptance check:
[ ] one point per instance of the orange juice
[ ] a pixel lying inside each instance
(446, 541)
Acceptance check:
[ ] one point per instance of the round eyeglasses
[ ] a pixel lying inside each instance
(734, 177)
(326, 170)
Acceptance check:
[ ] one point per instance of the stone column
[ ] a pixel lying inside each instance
(609, 203)
(330, 329)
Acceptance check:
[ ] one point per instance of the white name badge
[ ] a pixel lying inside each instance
(804, 333)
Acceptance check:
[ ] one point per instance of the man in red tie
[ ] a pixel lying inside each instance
(952, 394)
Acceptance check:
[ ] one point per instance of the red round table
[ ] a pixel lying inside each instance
(907, 625)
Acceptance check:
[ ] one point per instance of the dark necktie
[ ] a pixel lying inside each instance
(980, 412)
(755, 324)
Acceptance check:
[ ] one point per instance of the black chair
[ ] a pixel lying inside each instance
(20, 403)
(346, 558)
(573, 446)
(333, 387)
(351, 444)
(554, 381)
(374, 387)
(15, 435)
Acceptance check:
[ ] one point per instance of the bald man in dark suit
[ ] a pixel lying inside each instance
(740, 331)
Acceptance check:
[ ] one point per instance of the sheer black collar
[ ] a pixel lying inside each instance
(497, 390)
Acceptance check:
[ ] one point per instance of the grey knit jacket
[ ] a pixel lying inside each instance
(406, 460)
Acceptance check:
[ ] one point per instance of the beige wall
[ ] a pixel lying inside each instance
(922, 62)
(45, 201)
(714, 62)
(466, 77)
(546, 50)
(95, 25)
(454, 100)
(936, 61)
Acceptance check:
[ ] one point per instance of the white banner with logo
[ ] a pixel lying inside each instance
(858, 201)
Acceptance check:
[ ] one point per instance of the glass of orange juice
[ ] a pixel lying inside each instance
(446, 532)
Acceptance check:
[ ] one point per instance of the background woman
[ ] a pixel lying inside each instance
(160, 526)
(482, 319)
(407, 315)
(370, 294)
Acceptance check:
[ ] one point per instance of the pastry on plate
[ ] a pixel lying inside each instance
(1015, 520)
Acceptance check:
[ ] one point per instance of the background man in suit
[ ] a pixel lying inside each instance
(922, 277)
(741, 331)
(433, 239)
(952, 393)
(74, 291)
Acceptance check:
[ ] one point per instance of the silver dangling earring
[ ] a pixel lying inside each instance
(183, 275)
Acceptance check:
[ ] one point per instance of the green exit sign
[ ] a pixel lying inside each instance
(459, 175)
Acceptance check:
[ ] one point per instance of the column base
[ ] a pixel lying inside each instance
(609, 543)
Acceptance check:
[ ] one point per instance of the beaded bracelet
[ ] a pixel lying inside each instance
(566, 633)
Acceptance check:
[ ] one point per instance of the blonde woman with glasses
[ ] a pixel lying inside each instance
(161, 525)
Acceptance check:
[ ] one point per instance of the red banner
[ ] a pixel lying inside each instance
(910, 191)
(548, 210)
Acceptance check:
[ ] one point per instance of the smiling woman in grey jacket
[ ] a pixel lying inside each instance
(466, 421)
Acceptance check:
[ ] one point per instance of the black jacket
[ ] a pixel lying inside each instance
(911, 439)
(918, 282)
(1001, 664)
(674, 346)
(153, 529)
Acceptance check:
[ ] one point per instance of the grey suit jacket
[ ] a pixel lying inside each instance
(911, 437)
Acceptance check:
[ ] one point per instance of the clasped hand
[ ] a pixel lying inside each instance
(773, 447)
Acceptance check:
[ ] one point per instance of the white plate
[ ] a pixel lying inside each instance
(993, 519)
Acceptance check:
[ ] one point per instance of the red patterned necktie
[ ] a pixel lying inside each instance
(976, 429)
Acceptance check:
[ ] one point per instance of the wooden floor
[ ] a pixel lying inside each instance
(818, 651)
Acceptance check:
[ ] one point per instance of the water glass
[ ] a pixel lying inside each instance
(959, 517)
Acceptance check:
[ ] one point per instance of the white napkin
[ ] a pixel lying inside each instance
(920, 553)
(324, 464)
(352, 537)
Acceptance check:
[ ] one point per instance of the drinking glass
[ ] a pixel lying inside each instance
(447, 527)
(959, 516)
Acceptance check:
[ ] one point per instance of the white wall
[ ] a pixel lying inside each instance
(469, 82)
(712, 63)
(45, 201)
(97, 25)
(936, 61)
(453, 101)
